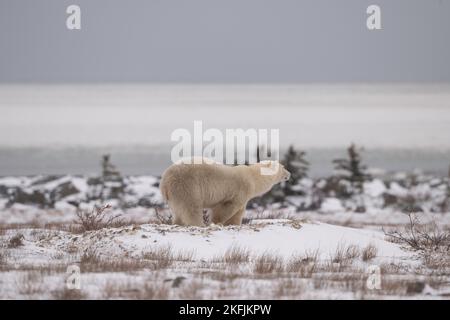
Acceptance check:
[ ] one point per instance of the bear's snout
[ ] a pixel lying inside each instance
(287, 176)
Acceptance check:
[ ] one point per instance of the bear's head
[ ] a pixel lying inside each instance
(274, 170)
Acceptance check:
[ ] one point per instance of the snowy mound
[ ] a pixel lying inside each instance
(284, 238)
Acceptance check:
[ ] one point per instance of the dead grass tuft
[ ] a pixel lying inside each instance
(303, 266)
(31, 283)
(3, 259)
(161, 257)
(235, 255)
(91, 261)
(344, 255)
(98, 218)
(164, 257)
(90, 256)
(68, 294)
(354, 281)
(289, 288)
(268, 263)
(165, 218)
(191, 290)
(154, 259)
(150, 290)
(369, 253)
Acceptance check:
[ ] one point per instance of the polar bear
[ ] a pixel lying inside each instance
(189, 187)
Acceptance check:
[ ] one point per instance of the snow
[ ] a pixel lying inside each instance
(331, 205)
(282, 237)
(143, 186)
(397, 190)
(374, 188)
(80, 184)
(206, 247)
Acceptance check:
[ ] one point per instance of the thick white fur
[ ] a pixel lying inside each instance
(190, 188)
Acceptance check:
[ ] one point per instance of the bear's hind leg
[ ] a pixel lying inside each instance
(177, 212)
(187, 215)
(177, 220)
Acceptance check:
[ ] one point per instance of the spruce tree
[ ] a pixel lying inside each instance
(294, 161)
(113, 184)
(352, 168)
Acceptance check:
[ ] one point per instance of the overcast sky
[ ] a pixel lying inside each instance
(224, 41)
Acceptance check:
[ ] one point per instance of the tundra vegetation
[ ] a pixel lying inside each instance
(112, 227)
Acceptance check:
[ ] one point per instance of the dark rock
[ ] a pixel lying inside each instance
(389, 199)
(36, 197)
(45, 179)
(63, 190)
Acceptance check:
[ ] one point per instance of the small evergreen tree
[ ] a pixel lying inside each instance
(109, 171)
(112, 182)
(352, 168)
(294, 161)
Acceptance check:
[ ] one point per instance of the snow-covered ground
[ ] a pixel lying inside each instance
(266, 258)
(280, 252)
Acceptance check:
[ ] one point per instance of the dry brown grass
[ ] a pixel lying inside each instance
(164, 256)
(90, 256)
(268, 263)
(91, 261)
(98, 218)
(30, 283)
(114, 265)
(263, 214)
(154, 259)
(392, 268)
(163, 216)
(68, 294)
(44, 269)
(3, 259)
(354, 281)
(191, 290)
(303, 266)
(150, 290)
(289, 288)
(369, 252)
(345, 254)
(235, 255)
(222, 276)
(438, 261)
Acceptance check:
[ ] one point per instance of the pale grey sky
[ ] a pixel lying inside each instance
(224, 41)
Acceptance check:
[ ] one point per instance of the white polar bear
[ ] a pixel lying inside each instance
(191, 187)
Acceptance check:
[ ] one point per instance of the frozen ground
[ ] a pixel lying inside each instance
(269, 257)
(280, 251)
